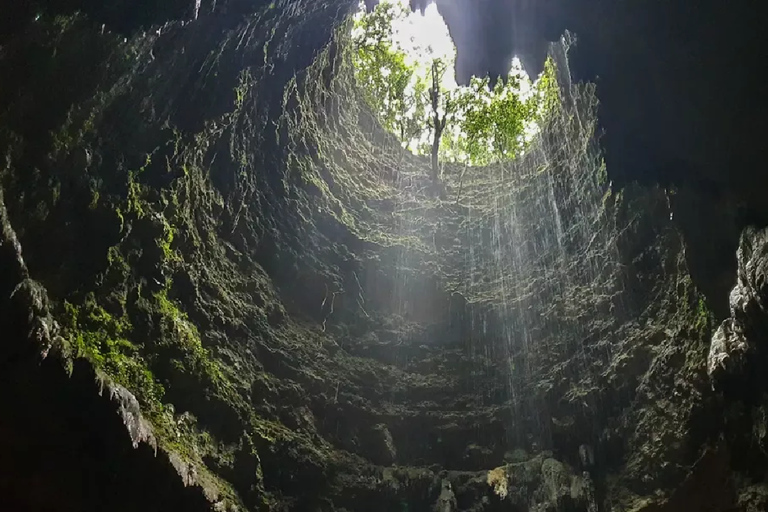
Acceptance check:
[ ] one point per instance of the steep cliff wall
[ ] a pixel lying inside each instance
(223, 284)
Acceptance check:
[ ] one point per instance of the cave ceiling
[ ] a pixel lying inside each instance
(682, 101)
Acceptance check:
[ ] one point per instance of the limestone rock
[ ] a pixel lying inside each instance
(446, 502)
(729, 351)
(382, 445)
(754, 498)
(749, 297)
(734, 342)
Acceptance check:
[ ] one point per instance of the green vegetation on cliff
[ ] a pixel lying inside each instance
(410, 89)
(226, 229)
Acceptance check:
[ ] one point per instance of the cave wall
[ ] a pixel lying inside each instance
(204, 214)
(680, 91)
(681, 101)
(202, 261)
(679, 85)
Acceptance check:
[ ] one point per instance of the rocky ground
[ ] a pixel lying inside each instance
(222, 285)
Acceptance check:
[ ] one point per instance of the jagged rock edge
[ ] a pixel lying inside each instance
(44, 334)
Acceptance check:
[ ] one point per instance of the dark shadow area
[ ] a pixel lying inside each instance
(65, 448)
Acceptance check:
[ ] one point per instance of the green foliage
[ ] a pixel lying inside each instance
(165, 242)
(383, 75)
(546, 99)
(101, 338)
(705, 320)
(181, 334)
(135, 202)
(491, 122)
(482, 124)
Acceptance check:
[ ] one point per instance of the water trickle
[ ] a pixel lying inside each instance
(512, 271)
(536, 250)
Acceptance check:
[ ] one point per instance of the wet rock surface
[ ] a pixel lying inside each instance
(244, 298)
(736, 346)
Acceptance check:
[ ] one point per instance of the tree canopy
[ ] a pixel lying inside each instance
(389, 83)
(477, 124)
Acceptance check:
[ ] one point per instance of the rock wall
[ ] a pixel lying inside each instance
(223, 283)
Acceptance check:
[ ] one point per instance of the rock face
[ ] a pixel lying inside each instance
(224, 285)
(736, 363)
(748, 297)
(729, 351)
(737, 341)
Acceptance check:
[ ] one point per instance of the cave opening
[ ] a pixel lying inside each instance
(228, 280)
(405, 67)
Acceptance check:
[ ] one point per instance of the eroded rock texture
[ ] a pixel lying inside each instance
(737, 342)
(222, 284)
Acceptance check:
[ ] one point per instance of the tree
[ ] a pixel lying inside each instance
(546, 91)
(492, 122)
(438, 121)
(381, 70)
(475, 125)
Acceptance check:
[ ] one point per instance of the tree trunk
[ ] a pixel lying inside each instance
(437, 123)
(435, 150)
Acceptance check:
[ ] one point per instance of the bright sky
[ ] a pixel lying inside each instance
(422, 33)
(418, 33)
(425, 37)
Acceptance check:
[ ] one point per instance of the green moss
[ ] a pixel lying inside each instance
(607, 198)
(245, 83)
(62, 141)
(102, 339)
(165, 242)
(80, 121)
(184, 336)
(94, 199)
(602, 174)
(693, 308)
(135, 202)
(704, 318)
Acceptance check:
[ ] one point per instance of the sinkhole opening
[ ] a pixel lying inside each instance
(404, 63)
